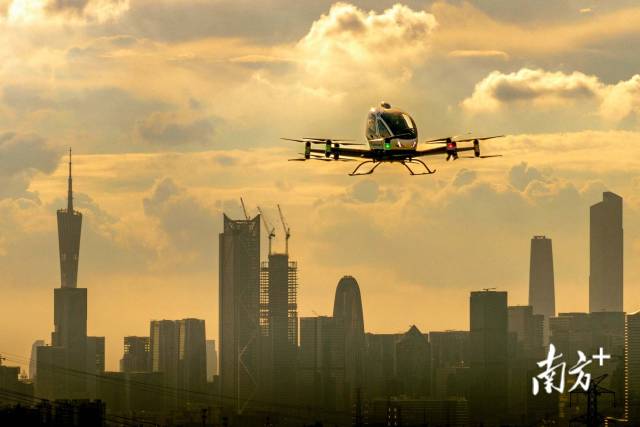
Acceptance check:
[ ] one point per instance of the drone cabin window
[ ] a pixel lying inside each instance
(383, 131)
(371, 126)
(399, 123)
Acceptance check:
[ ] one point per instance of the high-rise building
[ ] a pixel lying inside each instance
(212, 360)
(239, 303)
(380, 365)
(95, 364)
(528, 329)
(450, 358)
(632, 375)
(525, 349)
(192, 361)
(321, 365)
(137, 355)
(541, 281)
(347, 312)
(178, 351)
(33, 361)
(489, 364)
(588, 332)
(279, 328)
(163, 341)
(606, 254)
(413, 364)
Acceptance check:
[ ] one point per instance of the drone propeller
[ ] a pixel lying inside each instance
(324, 141)
(481, 157)
(446, 138)
(484, 138)
(321, 158)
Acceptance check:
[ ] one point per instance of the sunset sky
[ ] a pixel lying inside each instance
(174, 110)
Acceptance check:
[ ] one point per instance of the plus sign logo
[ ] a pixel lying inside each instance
(553, 376)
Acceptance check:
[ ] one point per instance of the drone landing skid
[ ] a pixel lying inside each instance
(404, 163)
(428, 171)
(369, 172)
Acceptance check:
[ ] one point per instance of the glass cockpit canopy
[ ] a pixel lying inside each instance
(400, 124)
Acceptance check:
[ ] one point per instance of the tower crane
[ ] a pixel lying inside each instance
(287, 231)
(270, 228)
(244, 209)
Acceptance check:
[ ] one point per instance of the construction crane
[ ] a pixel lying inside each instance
(244, 209)
(287, 231)
(270, 228)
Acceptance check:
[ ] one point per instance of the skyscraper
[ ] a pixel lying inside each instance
(163, 340)
(347, 312)
(632, 377)
(178, 350)
(605, 254)
(212, 360)
(33, 362)
(136, 357)
(489, 367)
(279, 324)
(239, 302)
(541, 281)
(192, 361)
(413, 363)
(321, 365)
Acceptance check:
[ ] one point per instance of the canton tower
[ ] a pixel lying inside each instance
(69, 225)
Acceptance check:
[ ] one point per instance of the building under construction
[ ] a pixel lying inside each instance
(278, 322)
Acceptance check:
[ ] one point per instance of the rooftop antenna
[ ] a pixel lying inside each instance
(244, 209)
(287, 231)
(270, 228)
(70, 190)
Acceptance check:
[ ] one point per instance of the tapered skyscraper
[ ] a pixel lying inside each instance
(347, 312)
(69, 225)
(605, 254)
(541, 281)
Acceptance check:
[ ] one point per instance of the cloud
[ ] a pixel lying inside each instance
(528, 88)
(189, 226)
(66, 6)
(170, 130)
(464, 177)
(22, 156)
(365, 191)
(522, 174)
(478, 54)
(348, 38)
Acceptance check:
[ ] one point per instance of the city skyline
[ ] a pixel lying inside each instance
(112, 363)
(156, 164)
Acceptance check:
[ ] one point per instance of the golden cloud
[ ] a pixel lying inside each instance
(529, 88)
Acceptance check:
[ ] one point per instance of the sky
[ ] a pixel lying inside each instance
(174, 110)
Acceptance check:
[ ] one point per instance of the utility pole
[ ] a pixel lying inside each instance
(287, 231)
(592, 418)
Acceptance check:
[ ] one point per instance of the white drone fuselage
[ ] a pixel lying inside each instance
(390, 129)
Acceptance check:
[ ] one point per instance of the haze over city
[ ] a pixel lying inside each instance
(172, 120)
